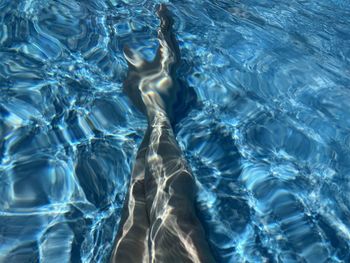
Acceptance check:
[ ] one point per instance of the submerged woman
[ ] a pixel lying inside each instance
(159, 222)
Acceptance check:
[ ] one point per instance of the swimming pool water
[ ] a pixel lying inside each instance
(268, 136)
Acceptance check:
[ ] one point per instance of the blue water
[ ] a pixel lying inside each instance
(268, 137)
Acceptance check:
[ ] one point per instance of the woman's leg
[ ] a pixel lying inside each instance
(131, 242)
(175, 235)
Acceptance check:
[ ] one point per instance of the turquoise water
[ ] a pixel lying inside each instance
(267, 137)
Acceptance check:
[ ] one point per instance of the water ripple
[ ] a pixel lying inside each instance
(268, 139)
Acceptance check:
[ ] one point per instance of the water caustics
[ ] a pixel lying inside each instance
(266, 136)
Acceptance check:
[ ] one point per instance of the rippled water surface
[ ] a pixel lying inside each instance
(268, 137)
